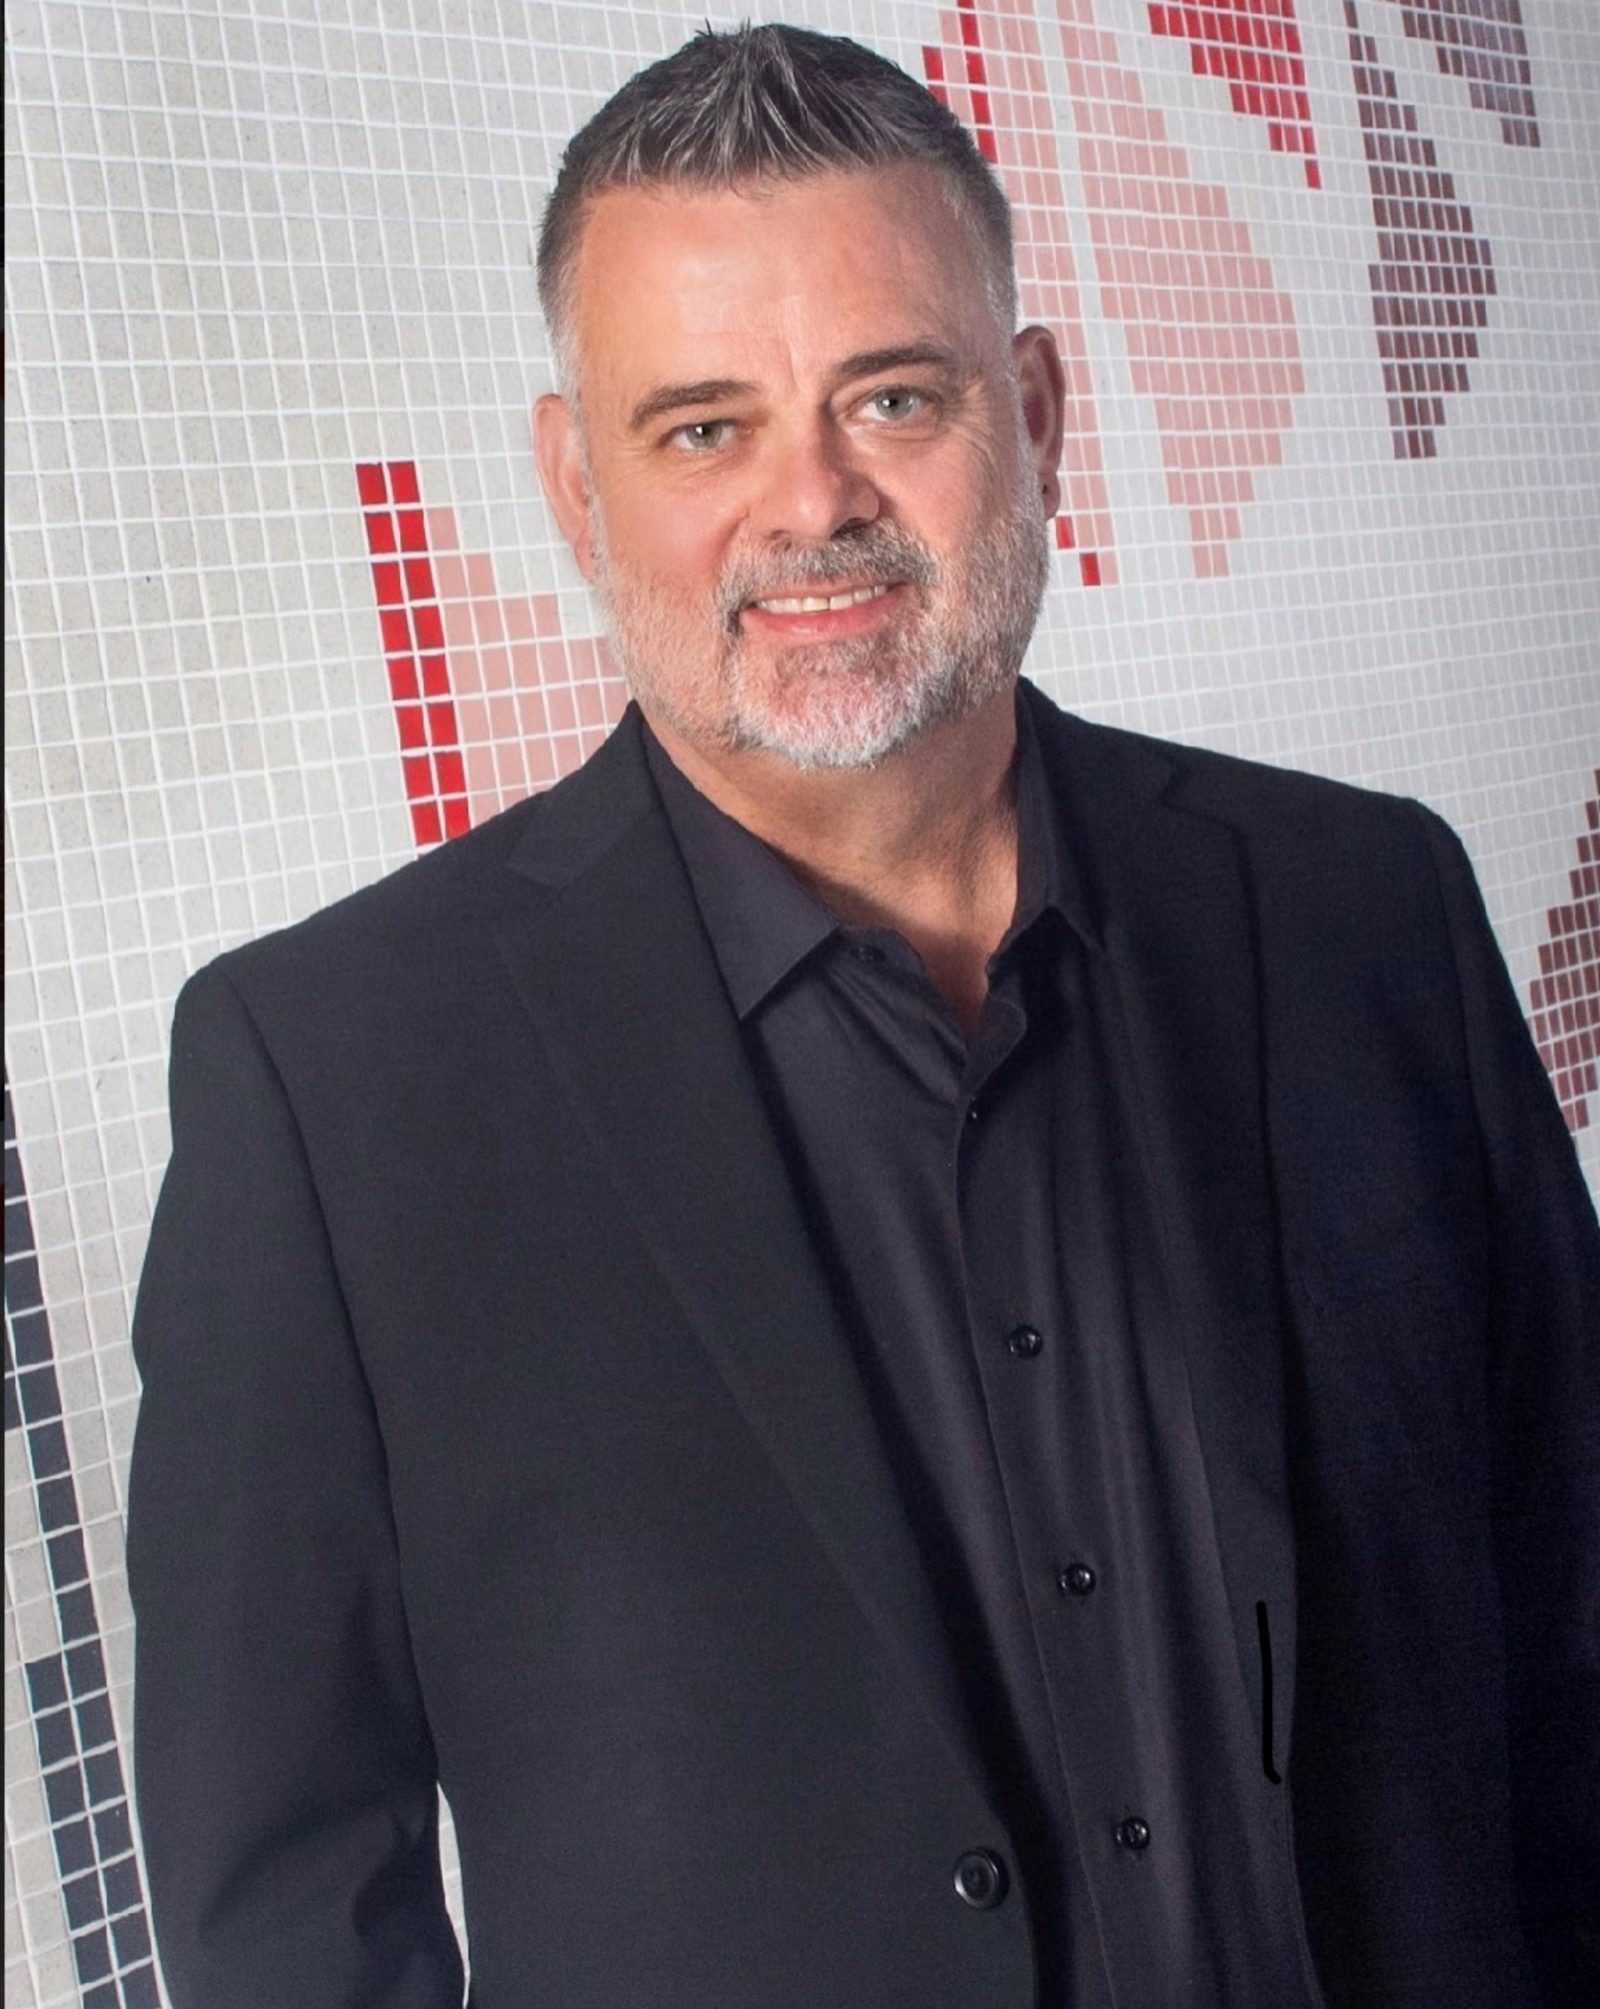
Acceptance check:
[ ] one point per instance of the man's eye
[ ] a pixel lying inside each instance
(702, 435)
(898, 402)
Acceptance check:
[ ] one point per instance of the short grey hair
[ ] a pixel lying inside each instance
(763, 103)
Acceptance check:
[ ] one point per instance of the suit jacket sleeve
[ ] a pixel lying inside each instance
(285, 1774)
(1545, 1402)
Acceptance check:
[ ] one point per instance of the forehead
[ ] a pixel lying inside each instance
(668, 276)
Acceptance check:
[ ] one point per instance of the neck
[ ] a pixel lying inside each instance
(925, 843)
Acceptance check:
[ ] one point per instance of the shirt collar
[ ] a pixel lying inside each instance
(763, 922)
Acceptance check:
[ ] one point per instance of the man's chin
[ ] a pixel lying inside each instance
(821, 753)
(836, 718)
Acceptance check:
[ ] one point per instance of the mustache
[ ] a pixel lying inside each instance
(875, 554)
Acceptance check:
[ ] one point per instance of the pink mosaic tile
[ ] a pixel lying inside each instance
(482, 743)
(1208, 325)
(1004, 97)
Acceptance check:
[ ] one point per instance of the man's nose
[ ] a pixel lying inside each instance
(813, 486)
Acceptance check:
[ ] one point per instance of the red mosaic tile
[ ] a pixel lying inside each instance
(470, 669)
(1254, 47)
(408, 616)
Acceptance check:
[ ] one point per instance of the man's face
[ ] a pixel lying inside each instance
(802, 480)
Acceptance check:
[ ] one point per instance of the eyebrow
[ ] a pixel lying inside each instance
(904, 356)
(667, 398)
(682, 397)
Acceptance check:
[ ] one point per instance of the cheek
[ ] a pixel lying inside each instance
(677, 543)
(952, 497)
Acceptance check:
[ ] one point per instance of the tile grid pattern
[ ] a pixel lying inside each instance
(1565, 996)
(1483, 41)
(1255, 45)
(1022, 147)
(413, 648)
(1434, 277)
(270, 328)
(80, 1765)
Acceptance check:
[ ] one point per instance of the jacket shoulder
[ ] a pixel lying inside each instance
(420, 910)
(1255, 792)
(1350, 876)
(433, 910)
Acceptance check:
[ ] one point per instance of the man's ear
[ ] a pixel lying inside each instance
(559, 452)
(1043, 383)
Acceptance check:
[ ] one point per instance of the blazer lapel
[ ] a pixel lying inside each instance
(613, 965)
(1165, 881)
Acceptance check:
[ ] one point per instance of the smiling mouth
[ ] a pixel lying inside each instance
(830, 603)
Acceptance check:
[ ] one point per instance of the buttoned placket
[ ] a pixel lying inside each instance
(985, 1219)
(1024, 1354)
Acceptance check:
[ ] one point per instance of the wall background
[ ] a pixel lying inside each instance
(284, 603)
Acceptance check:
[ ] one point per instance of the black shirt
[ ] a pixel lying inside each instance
(986, 1223)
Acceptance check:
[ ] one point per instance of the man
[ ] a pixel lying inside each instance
(930, 1357)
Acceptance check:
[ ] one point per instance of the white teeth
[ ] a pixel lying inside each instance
(814, 604)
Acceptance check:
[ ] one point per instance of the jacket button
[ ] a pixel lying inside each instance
(980, 1879)
(1077, 1580)
(1133, 1834)
(1024, 1341)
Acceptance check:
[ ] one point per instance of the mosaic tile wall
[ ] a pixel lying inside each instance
(284, 604)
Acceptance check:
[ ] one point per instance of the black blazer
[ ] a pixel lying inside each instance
(498, 1432)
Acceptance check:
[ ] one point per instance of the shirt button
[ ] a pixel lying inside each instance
(972, 1110)
(980, 1879)
(1077, 1580)
(1024, 1341)
(1133, 1835)
(867, 952)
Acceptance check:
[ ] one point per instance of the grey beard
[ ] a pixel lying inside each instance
(855, 702)
(966, 656)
